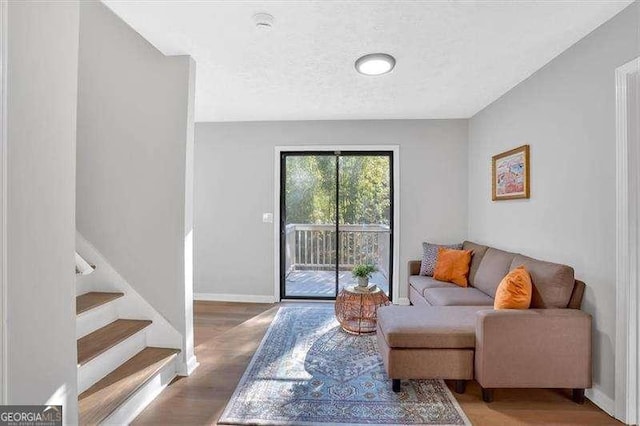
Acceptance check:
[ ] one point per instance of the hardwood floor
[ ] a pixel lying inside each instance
(227, 335)
(323, 283)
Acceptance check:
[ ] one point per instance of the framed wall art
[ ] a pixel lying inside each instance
(510, 174)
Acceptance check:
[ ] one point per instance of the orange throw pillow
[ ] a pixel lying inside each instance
(452, 266)
(514, 291)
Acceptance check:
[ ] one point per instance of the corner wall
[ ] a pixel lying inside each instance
(566, 113)
(134, 127)
(234, 185)
(40, 214)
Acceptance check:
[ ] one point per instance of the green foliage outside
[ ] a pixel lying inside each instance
(364, 189)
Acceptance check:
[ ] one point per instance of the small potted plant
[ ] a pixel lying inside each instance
(363, 272)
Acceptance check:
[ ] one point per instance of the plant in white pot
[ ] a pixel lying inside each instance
(363, 272)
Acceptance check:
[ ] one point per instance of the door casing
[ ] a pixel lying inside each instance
(627, 341)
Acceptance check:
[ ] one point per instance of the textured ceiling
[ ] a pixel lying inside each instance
(453, 57)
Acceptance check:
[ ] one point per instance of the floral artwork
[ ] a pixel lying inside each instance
(511, 174)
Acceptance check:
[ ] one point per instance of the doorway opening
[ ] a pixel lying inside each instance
(336, 212)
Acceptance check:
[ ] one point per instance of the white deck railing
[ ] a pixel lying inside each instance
(311, 246)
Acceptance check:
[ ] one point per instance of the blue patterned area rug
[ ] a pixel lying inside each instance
(308, 371)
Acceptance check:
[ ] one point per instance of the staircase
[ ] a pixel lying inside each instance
(120, 371)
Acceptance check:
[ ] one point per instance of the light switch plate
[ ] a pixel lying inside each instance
(267, 217)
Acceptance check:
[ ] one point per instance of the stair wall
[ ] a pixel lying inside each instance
(38, 337)
(161, 333)
(134, 133)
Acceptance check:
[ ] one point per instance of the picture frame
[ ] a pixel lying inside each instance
(510, 174)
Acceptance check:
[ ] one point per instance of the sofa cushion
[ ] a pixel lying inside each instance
(453, 266)
(514, 291)
(552, 282)
(434, 327)
(430, 254)
(493, 268)
(477, 253)
(417, 299)
(459, 296)
(421, 283)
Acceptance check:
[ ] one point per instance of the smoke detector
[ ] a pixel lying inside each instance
(263, 21)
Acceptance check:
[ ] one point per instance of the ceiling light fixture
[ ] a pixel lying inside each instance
(375, 64)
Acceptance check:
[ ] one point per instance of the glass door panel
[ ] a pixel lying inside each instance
(308, 225)
(365, 216)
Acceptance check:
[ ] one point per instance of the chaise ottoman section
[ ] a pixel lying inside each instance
(434, 343)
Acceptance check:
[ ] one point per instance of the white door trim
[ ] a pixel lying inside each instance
(627, 262)
(396, 205)
(3, 202)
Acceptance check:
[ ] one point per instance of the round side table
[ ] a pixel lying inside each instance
(356, 309)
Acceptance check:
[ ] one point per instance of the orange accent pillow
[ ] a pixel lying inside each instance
(452, 266)
(514, 291)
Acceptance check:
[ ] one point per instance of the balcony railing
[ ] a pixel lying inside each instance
(311, 247)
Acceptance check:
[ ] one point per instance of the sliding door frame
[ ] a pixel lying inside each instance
(4, 357)
(282, 208)
(346, 150)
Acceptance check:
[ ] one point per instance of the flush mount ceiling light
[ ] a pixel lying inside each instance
(375, 64)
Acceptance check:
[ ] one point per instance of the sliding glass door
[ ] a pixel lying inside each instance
(308, 225)
(336, 211)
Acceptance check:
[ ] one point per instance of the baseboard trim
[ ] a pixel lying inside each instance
(404, 301)
(186, 368)
(246, 298)
(596, 396)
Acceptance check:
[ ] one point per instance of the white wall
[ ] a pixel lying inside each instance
(234, 185)
(134, 124)
(41, 142)
(566, 112)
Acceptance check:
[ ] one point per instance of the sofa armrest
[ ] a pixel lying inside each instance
(542, 348)
(414, 267)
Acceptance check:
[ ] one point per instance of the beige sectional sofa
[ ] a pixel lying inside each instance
(451, 332)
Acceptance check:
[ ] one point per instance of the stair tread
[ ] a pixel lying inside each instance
(101, 340)
(100, 400)
(93, 299)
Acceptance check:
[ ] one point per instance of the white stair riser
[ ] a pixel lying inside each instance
(108, 361)
(90, 321)
(129, 410)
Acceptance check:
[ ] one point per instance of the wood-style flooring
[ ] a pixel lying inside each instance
(323, 283)
(227, 335)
